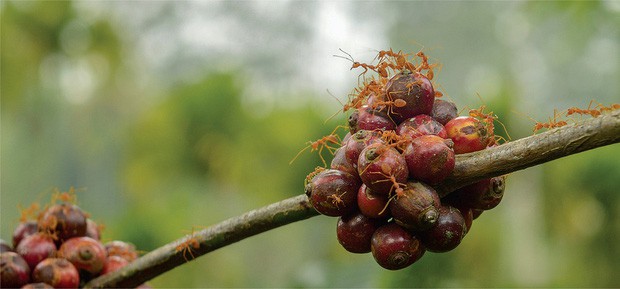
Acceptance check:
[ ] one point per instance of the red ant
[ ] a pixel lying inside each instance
(603, 108)
(356, 64)
(576, 110)
(188, 246)
(551, 124)
(336, 199)
(68, 196)
(325, 142)
(311, 175)
(28, 213)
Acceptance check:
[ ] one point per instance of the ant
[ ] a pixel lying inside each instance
(325, 142)
(188, 246)
(396, 186)
(551, 124)
(67, 197)
(356, 64)
(336, 199)
(603, 108)
(28, 213)
(576, 110)
(311, 175)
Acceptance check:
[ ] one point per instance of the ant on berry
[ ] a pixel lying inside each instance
(187, 246)
(312, 174)
(325, 142)
(336, 199)
(66, 197)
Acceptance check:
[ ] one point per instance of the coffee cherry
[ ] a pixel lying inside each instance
(354, 232)
(429, 159)
(372, 205)
(417, 209)
(23, 230)
(340, 161)
(36, 247)
(415, 90)
(447, 233)
(444, 111)
(420, 125)
(382, 168)
(482, 195)
(58, 272)
(394, 248)
(122, 249)
(468, 134)
(14, 271)
(113, 263)
(93, 230)
(85, 253)
(371, 119)
(39, 285)
(357, 142)
(333, 192)
(63, 221)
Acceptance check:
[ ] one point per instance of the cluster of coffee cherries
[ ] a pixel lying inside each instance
(59, 247)
(401, 145)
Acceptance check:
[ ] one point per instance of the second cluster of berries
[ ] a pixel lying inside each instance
(402, 141)
(60, 248)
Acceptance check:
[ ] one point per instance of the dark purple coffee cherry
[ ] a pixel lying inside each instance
(23, 230)
(36, 247)
(429, 159)
(85, 253)
(417, 208)
(371, 119)
(64, 221)
(444, 111)
(58, 272)
(372, 205)
(394, 248)
(340, 162)
(14, 271)
(382, 168)
(415, 90)
(93, 230)
(447, 233)
(420, 125)
(354, 232)
(357, 142)
(333, 192)
(482, 195)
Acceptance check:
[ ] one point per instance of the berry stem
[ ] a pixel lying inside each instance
(509, 157)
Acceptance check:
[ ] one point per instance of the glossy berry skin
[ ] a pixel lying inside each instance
(468, 134)
(444, 111)
(64, 221)
(429, 159)
(85, 253)
(394, 248)
(36, 247)
(413, 88)
(417, 209)
(420, 125)
(341, 163)
(483, 195)
(372, 205)
(357, 142)
(113, 263)
(378, 164)
(58, 272)
(122, 249)
(354, 232)
(23, 230)
(447, 233)
(14, 271)
(333, 192)
(370, 119)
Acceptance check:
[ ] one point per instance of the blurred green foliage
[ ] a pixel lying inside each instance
(161, 140)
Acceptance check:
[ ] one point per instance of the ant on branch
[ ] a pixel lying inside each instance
(551, 124)
(589, 111)
(187, 246)
(329, 142)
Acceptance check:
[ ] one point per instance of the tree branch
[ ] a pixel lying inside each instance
(503, 159)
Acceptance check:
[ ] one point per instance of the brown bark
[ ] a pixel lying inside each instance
(503, 159)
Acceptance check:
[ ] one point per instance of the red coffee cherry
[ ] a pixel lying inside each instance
(382, 169)
(333, 192)
(372, 205)
(64, 221)
(415, 90)
(36, 247)
(113, 263)
(58, 272)
(447, 233)
(444, 111)
(14, 271)
(122, 249)
(394, 248)
(468, 134)
(23, 230)
(420, 125)
(417, 209)
(85, 253)
(355, 231)
(429, 159)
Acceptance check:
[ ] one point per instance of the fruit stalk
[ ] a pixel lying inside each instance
(509, 157)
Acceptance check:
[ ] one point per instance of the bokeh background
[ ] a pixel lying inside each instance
(168, 116)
